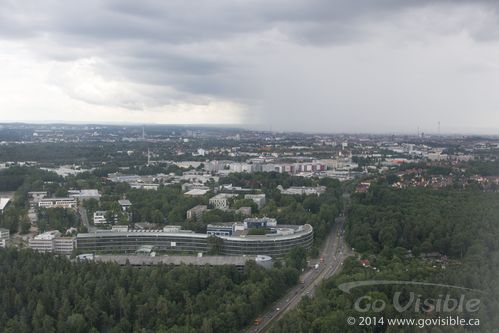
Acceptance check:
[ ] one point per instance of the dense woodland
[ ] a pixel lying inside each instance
(45, 293)
(393, 229)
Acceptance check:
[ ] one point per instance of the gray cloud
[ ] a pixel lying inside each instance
(293, 63)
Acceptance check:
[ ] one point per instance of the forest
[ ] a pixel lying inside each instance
(445, 236)
(45, 293)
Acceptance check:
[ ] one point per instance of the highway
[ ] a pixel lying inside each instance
(334, 252)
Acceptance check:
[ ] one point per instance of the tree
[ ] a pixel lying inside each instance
(215, 245)
(297, 258)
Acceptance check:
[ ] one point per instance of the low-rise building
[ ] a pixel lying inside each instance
(191, 186)
(145, 186)
(172, 228)
(119, 228)
(196, 192)
(260, 222)
(100, 217)
(221, 229)
(302, 190)
(3, 203)
(64, 245)
(277, 244)
(58, 203)
(84, 194)
(196, 212)
(221, 200)
(4, 237)
(51, 241)
(35, 196)
(259, 199)
(125, 204)
(244, 211)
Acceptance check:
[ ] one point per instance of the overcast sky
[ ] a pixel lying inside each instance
(311, 65)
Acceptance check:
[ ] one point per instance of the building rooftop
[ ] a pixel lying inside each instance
(283, 233)
(4, 202)
(48, 235)
(85, 193)
(196, 191)
(57, 199)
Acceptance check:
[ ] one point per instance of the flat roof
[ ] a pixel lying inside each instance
(224, 196)
(86, 193)
(4, 202)
(307, 228)
(58, 199)
(125, 202)
(196, 191)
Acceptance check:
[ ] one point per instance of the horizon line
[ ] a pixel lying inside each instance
(258, 128)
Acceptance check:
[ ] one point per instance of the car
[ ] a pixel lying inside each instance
(277, 309)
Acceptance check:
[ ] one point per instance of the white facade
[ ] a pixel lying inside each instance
(221, 201)
(196, 192)
(3, 203)
(302, 190)
(125, 204)
(64, 245)
(85, 194)
(51, 241)
(100, 217)
(145, 186)
(4, 237)
(196, 212)
(172, 228)
(57, 203)
(259, 199)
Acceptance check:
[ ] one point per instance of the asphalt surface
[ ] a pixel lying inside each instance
(334, 253)
(84, 219)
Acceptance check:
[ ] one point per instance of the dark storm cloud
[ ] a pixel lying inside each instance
(238, 50)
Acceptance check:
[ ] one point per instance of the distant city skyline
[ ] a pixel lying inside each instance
(307, 66)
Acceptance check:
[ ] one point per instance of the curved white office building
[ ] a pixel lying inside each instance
(276, 244)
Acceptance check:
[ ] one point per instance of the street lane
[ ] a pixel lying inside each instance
(334, 253)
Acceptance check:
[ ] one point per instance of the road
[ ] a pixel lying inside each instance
(334, 252)
(84, 219)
